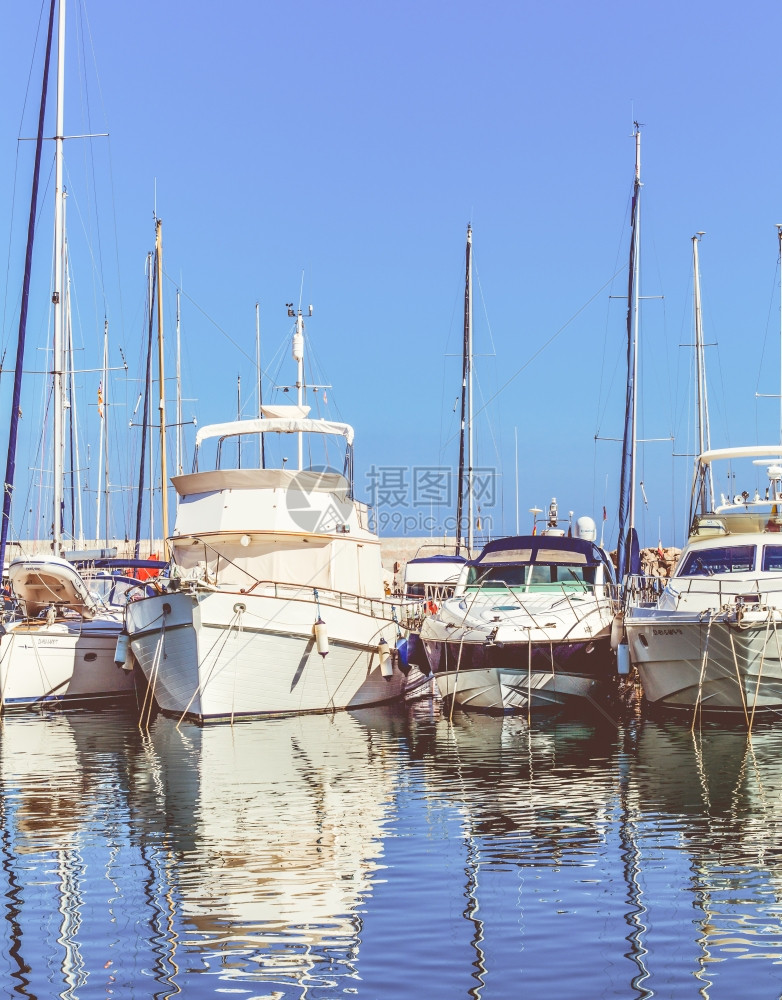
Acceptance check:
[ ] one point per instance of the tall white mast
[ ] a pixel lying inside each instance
(260, 388)
(779, 237)
(162, 378)
(72, 396)
(178, 462)
(57, 293)
(105, 380)
(704, 435)
(298, 357)
(636, 318)
(101, 443)
(516, 451)
(470, 517)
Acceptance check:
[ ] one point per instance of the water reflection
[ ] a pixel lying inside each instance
(62, 799)
(275, 831)
(713, 795)
(385, 855)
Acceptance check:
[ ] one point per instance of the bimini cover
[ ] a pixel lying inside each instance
(274, 425)
(42, 581)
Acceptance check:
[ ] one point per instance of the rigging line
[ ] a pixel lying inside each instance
(217, 326)
(16, 165)
(41, 209)
(620, 254)
(485, 310)
(96, 261)
(548, 343)
(457, 303)
(89, 154)
(773, 302)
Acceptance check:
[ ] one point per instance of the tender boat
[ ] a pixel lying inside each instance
(432, 578)
(712, 638)
(528, 626)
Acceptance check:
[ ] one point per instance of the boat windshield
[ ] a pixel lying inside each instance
(538, 577)
(720, 559)
(772, 558)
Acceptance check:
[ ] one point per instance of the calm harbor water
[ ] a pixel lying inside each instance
(389, 853)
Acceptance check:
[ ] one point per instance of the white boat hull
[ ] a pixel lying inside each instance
(683, 661)
(66, 662)
(222, 655)
(508, 676)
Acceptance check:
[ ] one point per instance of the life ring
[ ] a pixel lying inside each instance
(431, 608)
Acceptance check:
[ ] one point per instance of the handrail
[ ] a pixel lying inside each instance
(375, 607)
(648, 590)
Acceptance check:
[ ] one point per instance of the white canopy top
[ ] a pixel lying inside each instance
(274, 426)
(749, 451)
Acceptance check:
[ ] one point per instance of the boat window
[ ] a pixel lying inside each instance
(718, 560)
(507, 555)
(496, 576)
(531, 577)
(565, 556)
(772, 558)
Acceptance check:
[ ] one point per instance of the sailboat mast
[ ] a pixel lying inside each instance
(698, 345)
(261, 456)
(13, 432)
(162, 376)
(105, 402)
(627, 543)
(779, 237)
(706, 487)
(75, 450)
(463, 414)
(468, 313)
(178, 462)
(239, 417)
(145, 408)
(102, 418)
(298, 357)
(57, 293)
(635, 305)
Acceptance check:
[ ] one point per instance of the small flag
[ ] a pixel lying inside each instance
(660, 551)
(605, 514)
(325, 397)
(100, 400)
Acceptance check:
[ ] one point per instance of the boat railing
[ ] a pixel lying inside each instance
(757, 590)
(395, 610)
(719, 592)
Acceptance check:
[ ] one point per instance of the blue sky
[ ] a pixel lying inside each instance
(350, 144)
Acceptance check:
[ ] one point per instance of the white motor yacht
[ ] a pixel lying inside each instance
(712, 638)
(528, 626)
(276, 603)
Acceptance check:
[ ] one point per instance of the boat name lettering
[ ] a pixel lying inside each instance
(666, 631)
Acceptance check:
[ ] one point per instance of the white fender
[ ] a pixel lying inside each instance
(386, 662)
(321, 637)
